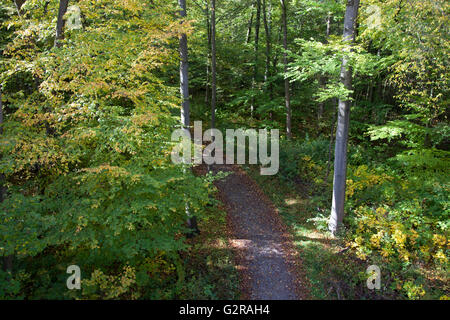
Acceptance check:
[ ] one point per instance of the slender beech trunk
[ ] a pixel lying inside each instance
(213, 64)
(267, 28)
(287, 96)
(330, 148)
(275, 56)
(255, 68)
(208, 58)
(184, 67)
(184, 90)
(60, 22)
(250, 25)
(340, 154)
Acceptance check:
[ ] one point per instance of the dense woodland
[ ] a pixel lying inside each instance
(91, 92)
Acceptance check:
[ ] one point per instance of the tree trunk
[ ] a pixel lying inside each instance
(250, 25)
(19, 4)
(330, 148)
(60, 22)
(287, 96)
(184, 90)
(340, 156)
(267, 28)
(184, 67)
(46, 7)
(275, 58)
(208, 58)
(255, 68)
(213, 63)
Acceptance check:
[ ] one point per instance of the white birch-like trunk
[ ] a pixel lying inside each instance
(340, 156)
(287, 96)
(184, 90)
(213, 64)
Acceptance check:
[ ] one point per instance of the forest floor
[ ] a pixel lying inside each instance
(268, 264)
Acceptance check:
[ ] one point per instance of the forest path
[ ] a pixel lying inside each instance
(267, 261)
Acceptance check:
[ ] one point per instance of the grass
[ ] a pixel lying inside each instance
(333, 273)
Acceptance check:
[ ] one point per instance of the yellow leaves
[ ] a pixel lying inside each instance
(144, 118)
(413, 291)
(376, 238)
(440, 255)
(413, 236)
(364, 178)
(113, 286)
(386, 252)
(398, 236)
(404, 255)
(381, 211)
(113, 171)
(308, 167)
(439, 240)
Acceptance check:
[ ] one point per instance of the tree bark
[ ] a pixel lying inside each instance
(255, 68)
(184, 90)
(250, 25)
(184, 68)
(287, 96)
(340, 157)
(213, 64)
(208, 58)
(268, 71)
(63, 4)
(19, 4)
(330, 148)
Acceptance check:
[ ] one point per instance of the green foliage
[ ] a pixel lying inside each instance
(86, 158)
(303, 160)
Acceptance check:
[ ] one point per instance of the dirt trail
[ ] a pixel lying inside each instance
(267, 261)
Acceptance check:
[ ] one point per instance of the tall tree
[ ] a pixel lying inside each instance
(250, 24)
(208, 58)
(340, 156)
(184, 67)
(184, 90)
(213, 63)
(267, 28)
(63, 4)
(287, 96)
(255, 61)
